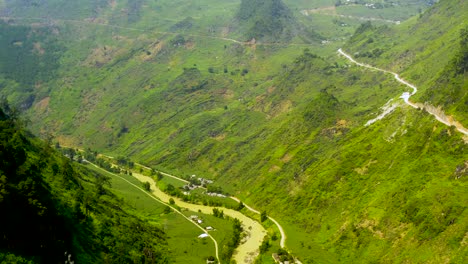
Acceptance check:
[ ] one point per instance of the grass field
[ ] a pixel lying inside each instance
(183, 239)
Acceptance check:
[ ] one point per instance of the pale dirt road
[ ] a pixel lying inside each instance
(153, 187)
(246, 252)
(280, 228)
(437, 112)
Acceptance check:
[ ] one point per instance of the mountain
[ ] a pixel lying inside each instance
(269, 21)
(280, 124)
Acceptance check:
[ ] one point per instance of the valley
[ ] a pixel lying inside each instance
(255, 232)
(293, 114)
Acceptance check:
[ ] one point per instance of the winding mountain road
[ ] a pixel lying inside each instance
(435, 111)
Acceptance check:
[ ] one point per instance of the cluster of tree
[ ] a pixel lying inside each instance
(263, 216)
(229, 248)
(107, 165)
(90, 155)
(375, 53)
(218, 213)
(125, 162)
(285, 256)
(147, 186)
(265, 245)
(214, 189)
(54, 210)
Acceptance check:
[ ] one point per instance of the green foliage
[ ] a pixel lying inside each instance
(284, 255)
(49, 207)
(147, 186)
(29, 56)
(229, 248)
(461, 59)
(218, 213)
(287, 136)
(269, 20)
(322, 110)
(265, 245)
(263, 216)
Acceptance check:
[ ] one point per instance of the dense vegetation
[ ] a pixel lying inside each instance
(25, 64)
(267, 20)
(53, 211)
(437, 64)
(279, 125)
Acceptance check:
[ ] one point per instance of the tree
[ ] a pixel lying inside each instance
(274, 237)
(159, 176)
(147, 186)
(241, 206)
(265, 246)
(263, 216)
(218, 213)
(171, 201)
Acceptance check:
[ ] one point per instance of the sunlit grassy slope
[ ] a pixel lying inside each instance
(430, 51)
(280, 125)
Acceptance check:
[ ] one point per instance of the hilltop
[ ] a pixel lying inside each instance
(269, 21)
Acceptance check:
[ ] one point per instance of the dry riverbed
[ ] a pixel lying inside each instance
(247, 251)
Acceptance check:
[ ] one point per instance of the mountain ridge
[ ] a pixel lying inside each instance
(280, 127)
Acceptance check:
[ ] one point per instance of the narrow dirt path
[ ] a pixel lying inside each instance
(437, 112)
(154, 187)
(280, 228)
(246, 43)
(331, 11)
(247, 251)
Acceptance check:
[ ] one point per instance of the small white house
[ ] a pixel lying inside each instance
(203, 235)
(199, 221)
(209, 228)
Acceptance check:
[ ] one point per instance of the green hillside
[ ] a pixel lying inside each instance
(279, 123)
(53, 211)
(269, 21)
(429, 50)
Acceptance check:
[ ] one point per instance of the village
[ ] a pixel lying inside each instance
(202, 183)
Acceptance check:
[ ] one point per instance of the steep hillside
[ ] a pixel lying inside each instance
(53, 211)
(428, 50)
(282, 126)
